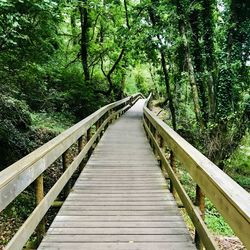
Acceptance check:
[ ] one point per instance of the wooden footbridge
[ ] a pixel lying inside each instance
(124, 197)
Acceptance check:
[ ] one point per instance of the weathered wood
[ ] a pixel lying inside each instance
(30, 224)
(200, 202)
(80, 147)
(14, 179)
(88, 137)
(119, 246)
(65, 164)
(231, 200)
(120, 197)
(172, 164)
(119, 224)
(172, 212)
(123, 218)
(39, 189)
(119, 230)
(191, 210)
(121, 238)
(23, 234)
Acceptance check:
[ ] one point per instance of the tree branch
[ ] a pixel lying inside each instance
(77, 58)
(126, 12)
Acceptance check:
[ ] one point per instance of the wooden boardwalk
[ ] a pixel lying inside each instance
(120, 201)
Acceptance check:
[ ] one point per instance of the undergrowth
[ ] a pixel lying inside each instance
(214, 221)
(238, 165)
(57, 122)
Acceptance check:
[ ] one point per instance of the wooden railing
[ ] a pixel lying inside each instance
(231, 200)
(17, 177)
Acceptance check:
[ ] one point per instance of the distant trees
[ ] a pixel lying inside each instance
(64, 55)
(202, 48)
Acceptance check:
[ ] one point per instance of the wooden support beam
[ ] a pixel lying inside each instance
(80, 147)
(231, 200)
(200, 203)
(88, 139)
(173, 166)
(65, 163)
(192, 211)
(39, 190)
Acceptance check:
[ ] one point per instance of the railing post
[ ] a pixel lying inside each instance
(110, 121)
(65, 163)
(39, 189)
(154, 132)
(200, 202)
(102, 121)
(150, 129)
(98, 124)
(88, 138)
(173, 166)
(148, 124)
(131, 101)
(161, 145)
(80, 147)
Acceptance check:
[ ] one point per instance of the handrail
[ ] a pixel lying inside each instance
(231, 200)
(18, 176)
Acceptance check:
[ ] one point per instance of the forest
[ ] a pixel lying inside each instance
(60, 60)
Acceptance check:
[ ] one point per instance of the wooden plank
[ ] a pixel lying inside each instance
(120, 246)
(119, 218)
(158, 195)
(193, 213)
(168, 212)
(18, 176)
(116, 230)
(120, 191)
(119, 203)
(231, 200)
(118, 224)
(120, 238)
(120, 178)
(123, 186)
(120, 199)
(118, 181)
(31, 223)
(120, 208)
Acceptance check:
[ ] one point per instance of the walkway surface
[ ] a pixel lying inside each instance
(120, 201)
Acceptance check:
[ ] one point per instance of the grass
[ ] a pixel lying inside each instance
(214, 221)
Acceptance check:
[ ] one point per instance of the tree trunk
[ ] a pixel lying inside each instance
(168, 90)
(199, 63)
(73, 27)
(208, 6)
(84, 38)
(154, 19)
(190, 67)
(192, 80)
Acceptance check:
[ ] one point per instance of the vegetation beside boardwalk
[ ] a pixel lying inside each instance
(62, 60)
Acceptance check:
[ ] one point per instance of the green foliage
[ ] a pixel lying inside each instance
(139, 80)
(43, 87)
(56, 122)
(22, 206)
(215, 221)
(14, 126)
(238, 165)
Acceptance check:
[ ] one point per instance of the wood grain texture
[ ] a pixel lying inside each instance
(192, 211)
(121, 199)
(231, 200)
(18, 176)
